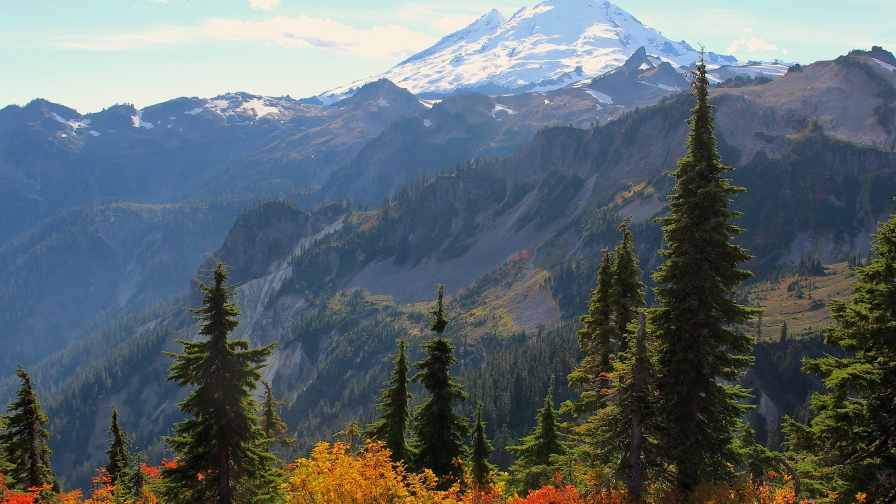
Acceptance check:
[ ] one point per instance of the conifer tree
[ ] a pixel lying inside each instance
(221, 450)
(23, 442)
(612, 414)
(481, 451)
(271, 424)
(595, 338)
(439, 431)
(119, 452)
(697, 347)
(534, 466)
(850, 444)
(393, 422)
(627, 289)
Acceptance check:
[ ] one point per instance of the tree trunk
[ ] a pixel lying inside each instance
(639, 380)
(223, 477)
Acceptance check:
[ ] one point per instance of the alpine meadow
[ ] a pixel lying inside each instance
(552, 258)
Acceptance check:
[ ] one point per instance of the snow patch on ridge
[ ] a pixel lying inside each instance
(597, 95)
(138, 121)
(885, 65)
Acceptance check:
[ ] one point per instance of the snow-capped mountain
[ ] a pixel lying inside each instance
(543, 47)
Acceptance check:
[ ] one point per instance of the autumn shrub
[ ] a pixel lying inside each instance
(334, 474)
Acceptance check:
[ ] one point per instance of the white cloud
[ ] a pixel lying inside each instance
(128, 41)
(391, 41)
(748, 30)
(450, 24)
(752, 44)
(264, 5)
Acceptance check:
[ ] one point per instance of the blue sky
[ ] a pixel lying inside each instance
(90, 54)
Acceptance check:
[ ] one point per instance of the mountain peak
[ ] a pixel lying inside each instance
(537, 48)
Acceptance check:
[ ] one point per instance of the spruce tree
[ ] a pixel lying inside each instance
(698, 352)
(439, 431)
(221, 450)
(271, 424)
(393, 422)
(534, 466)
(119, 452)
(850, 444)
(23, 442)
(481, 450)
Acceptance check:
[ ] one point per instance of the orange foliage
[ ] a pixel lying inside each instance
(334, 474)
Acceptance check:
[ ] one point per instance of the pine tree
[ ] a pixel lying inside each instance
(221, 450)
(119, 452)
(23, 443)
(481, 451)
(534, 466)
(697, 347)
(439, 431)
(393, 422)
(271, 424)
(848, 447)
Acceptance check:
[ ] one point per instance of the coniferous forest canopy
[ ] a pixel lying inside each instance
(561, 324)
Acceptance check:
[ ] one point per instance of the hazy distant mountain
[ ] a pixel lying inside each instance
(543, 47)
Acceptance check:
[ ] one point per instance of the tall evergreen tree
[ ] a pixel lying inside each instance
(271, 424)
(534, 466)
(23, 442)
(627, 289)
(481, 451)
(439, 431)
(119, 452)
(595, 338)
(697, 347)
(850, 444)
(393, 422)
(221, 449)
(612, 414)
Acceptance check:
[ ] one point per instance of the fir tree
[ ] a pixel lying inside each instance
(850, 444)
(220, 448)
(119, 452)
(393, 422)
(697, 347)
(273, 427)
(627, 289)
(594, 343)
(481, 451)
(614, 412)
(534, 466)
(23, 443)
(439, 431)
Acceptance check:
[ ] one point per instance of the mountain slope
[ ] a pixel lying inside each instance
(542, 47)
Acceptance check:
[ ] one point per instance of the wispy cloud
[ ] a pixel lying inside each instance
(131, 41)
(449, 24)
(264, 5)
(389, 42)
(752, 44)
